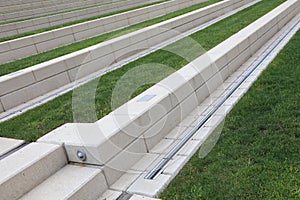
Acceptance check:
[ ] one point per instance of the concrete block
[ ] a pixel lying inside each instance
(143, 164)
(88, 33)
(147, 111)
(114, 169)
(126, 52)
(214, 121)
(92, 67)
(28, 93)
(22, 170)
(238, 61)
(23, 52)
(77, 58)
(120, 42)
(164, 146)
(1, 107)
(149, 188)
(214, 82)
(202, 92)
(188, 121)
(125, 181)
(63, 32)
(192, 75)
(7, 144)
(178, 132)
(177, 86)
(136, 19)
(202, 133)
(160, 129)
(54, 43)
(96, 23)
(190, 148)
(4, 46)
(175, 165)
(204, 66)
(48, 69)
(72, 182)
(15, 81)
(101, 142)
(139, 197)
(41, 37)
(110, 195)
(189, 104)
(100, 50)
(79, 28)
(49, 84)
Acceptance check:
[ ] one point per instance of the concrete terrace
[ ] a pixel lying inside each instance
(134, 151)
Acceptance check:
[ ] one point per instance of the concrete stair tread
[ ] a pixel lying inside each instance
(28, 167)
(7, 144)
(71, 182)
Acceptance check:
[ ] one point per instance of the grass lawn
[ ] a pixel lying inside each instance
(35, 123)
(45, 56)
(258, 153)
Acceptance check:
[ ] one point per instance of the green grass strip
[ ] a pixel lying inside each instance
(37, 122)
(70, 23)
(257, 155)
(42, 57)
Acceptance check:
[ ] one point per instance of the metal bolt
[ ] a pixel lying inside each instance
(81, 155)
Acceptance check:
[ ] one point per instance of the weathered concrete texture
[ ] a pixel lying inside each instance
(7, 144)
(52, 39)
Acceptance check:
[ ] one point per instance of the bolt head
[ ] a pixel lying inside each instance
(81, 155)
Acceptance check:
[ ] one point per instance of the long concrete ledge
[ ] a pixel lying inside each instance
(11, 29)
(18, 2)
(120, 139)
(54, 8)
(27, 84)
(7, 6)
(26, 46)
(14, 6)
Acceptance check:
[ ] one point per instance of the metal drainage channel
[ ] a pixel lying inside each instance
(160, 166)
(52, 95)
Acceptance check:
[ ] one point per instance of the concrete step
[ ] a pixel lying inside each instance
(7, 144)
(71, 182)
(28, 167)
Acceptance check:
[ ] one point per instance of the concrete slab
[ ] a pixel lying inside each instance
(71, 182)
(110, 195)
(149, 188)
(175, 165)
(124, 182)
(7, 144)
